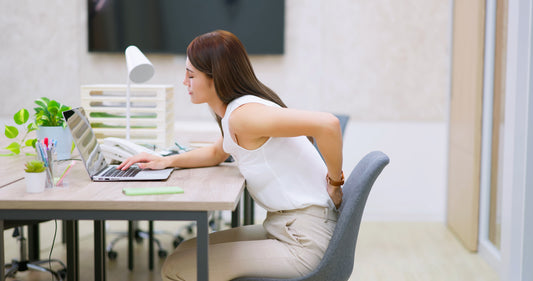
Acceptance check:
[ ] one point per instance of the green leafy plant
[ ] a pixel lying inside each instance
(47, 113)
(21, 118)
(34, 166)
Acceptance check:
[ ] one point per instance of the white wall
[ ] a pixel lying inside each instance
(383, 62)
(413, 186)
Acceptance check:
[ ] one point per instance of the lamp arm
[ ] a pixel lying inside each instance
(128, 104)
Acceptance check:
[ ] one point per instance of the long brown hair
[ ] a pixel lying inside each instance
(221, 56)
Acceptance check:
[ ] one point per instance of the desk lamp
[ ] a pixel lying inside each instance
(140, 70)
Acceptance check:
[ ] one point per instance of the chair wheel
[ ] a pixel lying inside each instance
(190, 230)
(177, 241)
(62, 273)
(162, 253)
(112, 255)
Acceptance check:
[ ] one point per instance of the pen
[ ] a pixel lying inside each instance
(49, 176)
(42, 153)
(39, 151)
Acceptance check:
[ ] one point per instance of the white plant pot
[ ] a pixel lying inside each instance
(62, 136)
(35, 182)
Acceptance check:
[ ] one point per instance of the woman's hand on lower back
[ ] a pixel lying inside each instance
(335, 193)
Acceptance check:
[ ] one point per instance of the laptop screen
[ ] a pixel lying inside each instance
(85, 140)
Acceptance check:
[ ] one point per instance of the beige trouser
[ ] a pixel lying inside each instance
(288, 244)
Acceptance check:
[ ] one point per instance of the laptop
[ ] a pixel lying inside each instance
(93, 158)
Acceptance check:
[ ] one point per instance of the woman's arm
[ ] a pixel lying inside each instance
(202, 157)
(252, 124)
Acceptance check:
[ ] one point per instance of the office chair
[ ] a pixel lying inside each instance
(30, 263)
(338, 261)
(135, 233)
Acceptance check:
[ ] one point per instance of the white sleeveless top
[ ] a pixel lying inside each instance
(285, 173)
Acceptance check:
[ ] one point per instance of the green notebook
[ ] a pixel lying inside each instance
(152, 190)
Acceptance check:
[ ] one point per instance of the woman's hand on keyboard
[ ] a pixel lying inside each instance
(144, 161)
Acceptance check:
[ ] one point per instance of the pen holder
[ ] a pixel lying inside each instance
(49, 178)
(46, 151)
(61, 169)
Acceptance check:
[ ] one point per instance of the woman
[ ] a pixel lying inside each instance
(283, 171)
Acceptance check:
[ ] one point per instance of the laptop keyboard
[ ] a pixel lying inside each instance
(130, 172)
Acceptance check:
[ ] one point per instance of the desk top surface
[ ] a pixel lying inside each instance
(211, 188)
(12, 168)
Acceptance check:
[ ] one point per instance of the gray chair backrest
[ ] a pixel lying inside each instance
(337, 263)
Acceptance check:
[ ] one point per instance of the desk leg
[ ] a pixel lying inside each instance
(64, 232)
(99, 250)
(131, 237)
(151, 245)
(248, 208)
(73, 273)
(2, 251)
(33, 242)
(202, 247)
(236, 216)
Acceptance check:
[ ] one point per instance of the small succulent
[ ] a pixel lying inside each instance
(34, 166)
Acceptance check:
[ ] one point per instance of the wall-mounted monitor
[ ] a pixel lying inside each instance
(168, 26)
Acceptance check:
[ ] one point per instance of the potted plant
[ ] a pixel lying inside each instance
(49, 113)
(48, 122)
(35, 176)
(51, 124)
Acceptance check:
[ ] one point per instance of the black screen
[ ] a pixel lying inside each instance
(168, 26)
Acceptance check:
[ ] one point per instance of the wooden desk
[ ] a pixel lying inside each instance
(206, 189)
(12, 169)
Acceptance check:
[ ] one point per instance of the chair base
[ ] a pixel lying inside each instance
(139, 236)
(134, 233)
(21, 266)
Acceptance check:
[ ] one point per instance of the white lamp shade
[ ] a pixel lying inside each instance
(140, 69)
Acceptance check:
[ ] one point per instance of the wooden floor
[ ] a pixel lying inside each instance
(385, 251)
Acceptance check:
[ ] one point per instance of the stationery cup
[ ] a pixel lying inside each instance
(60, 171)
(35, 182)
